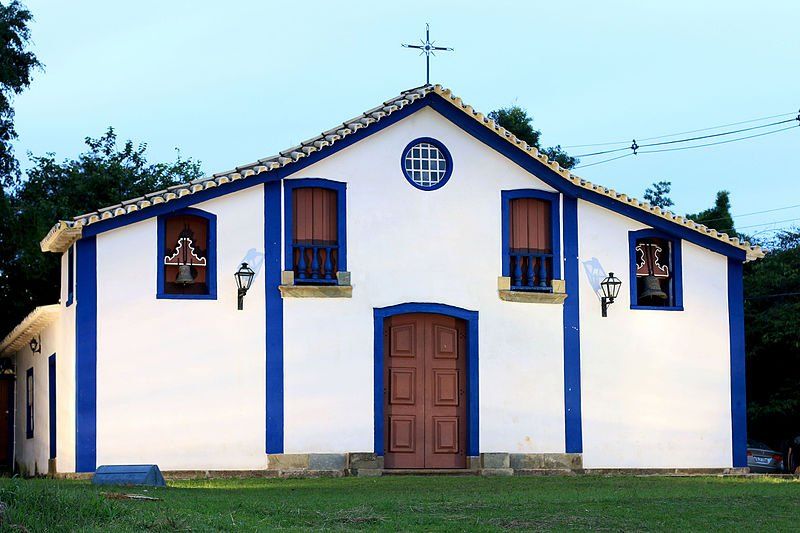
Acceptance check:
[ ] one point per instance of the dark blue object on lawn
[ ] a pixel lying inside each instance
(148, 475)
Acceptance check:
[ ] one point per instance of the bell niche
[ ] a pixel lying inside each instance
(185, 261)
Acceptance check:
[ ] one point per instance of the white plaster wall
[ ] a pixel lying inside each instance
(181, 383)
(407, 245)
(65, 379)
(31, 455)
(655, 385)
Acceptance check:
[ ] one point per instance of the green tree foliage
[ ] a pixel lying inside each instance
(103, 175)
(772, 310)
(516, 120)
(16, 65)
(718, 217)
(658, 194)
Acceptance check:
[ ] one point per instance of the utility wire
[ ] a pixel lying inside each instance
(683, 147)
(684, 132)
(635, 145)
(779, 295)
(604, 161)
(758, 225)
(753, 213)
(718, 142)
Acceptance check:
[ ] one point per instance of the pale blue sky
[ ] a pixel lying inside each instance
(231, 82)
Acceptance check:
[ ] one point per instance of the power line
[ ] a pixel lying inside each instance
(753, 213)
(636, 146)
(718, 142)
(604, 161)
(757, 225)
(779, 295)
(684, 132)
(684, 147)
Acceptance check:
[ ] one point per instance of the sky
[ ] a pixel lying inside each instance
(232, 82)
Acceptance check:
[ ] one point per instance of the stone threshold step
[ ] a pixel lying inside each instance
(430, 472)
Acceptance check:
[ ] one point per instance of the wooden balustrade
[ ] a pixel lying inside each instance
(315, 263)
(531, 270)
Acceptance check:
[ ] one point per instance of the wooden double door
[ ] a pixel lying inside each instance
(424, 377)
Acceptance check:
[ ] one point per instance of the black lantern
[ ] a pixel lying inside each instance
(610, 289)
(244, 278)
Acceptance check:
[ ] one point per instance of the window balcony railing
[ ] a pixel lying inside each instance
(315, 262)
(531, 270)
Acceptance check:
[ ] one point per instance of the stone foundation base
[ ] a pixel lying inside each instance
(367, 464)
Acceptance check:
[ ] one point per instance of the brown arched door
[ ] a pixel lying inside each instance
(424, 376)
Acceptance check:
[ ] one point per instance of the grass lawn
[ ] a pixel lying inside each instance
(407, 503)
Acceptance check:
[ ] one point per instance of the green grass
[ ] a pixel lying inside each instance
(409, 503)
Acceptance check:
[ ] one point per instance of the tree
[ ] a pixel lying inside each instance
(772, 340)
(103, 175)
(658, 194)
(16, 65)
(717, 217)
(517, 121)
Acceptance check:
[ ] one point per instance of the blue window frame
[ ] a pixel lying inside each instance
(29, 403)
(210, 290)
(668, 262)
(531, 269)
(51, 386)
(320, 269)
(426, 163)
(70, 275)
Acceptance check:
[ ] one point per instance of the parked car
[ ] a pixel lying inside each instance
(762, 459)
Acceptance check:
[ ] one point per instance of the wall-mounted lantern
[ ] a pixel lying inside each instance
(36, 344)
(610, 289)
(244, 278)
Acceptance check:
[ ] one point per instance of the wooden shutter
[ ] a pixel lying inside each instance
(315, 217)
(530, 225)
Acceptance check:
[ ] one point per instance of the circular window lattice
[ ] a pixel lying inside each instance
(425, 165)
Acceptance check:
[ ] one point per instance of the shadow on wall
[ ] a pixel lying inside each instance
(595, 273)
(254, 259)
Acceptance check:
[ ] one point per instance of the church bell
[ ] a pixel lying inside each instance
(652, 288)
(184, 275)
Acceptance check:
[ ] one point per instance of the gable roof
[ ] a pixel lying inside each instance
(65, 232)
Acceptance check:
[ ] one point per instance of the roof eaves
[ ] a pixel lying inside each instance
(335, 134)
(31, 325)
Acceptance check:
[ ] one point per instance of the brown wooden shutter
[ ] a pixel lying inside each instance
(530, 225)
(314, 217)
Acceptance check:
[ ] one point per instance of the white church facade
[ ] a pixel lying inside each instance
(424, 293)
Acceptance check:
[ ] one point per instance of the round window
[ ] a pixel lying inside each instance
(427, 164)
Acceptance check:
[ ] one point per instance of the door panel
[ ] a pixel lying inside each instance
(403, 379)
(424, 396)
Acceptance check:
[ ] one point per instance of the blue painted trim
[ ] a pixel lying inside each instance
(70, 275)
(555, 180)
(86, 357)
(29, 402)
(274, 318)
(341, 215)
(466, 123)
(676, 262)
(573, 423)
(738, 382)
(51, 396)
(555, 225)
(211, 255)
(445, 152)
(471, 318)
(238, 185)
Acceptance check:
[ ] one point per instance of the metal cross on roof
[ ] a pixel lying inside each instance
(427, 47)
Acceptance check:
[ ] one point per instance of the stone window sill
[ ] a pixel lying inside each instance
(289, 289)
(556, 297)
